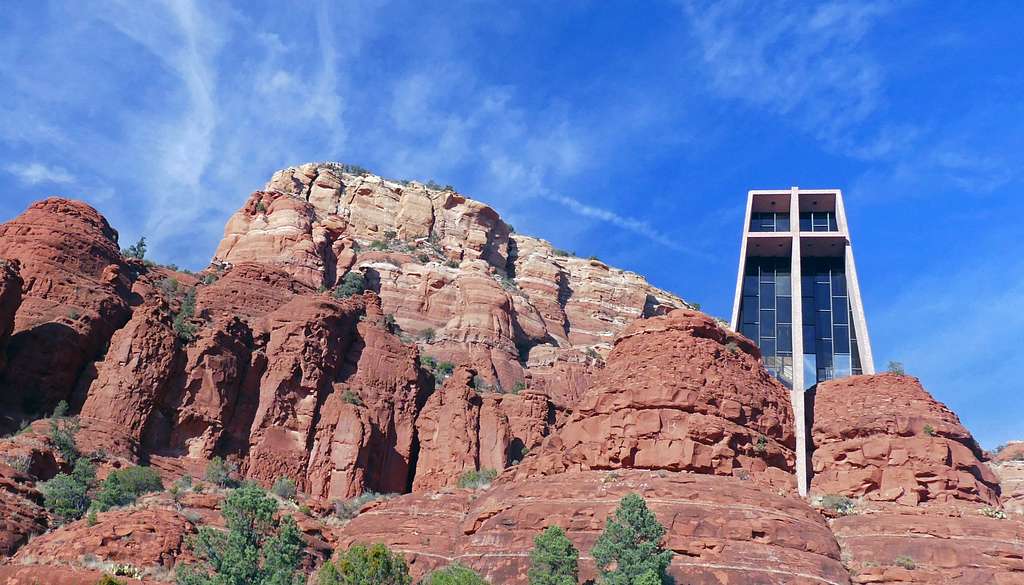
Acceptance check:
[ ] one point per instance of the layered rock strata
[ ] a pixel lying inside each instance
(922, 507)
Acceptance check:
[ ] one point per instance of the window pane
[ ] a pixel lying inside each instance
(805, 222)
(824, 351)
(750, 284)
(841, 338)
(767, 323)
(810, 370)
(808, 313)
(748, 310)
(784, 341)
(832, 224)
(782, 222)
(839, 310)
(842, 367)
(808, 339)
(839, 284)
(768, 347)
(782, 283)
(785, 309)
(750, 331)
(824, 323)
(822, 300)
(767, 294)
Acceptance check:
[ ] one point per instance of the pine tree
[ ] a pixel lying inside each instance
(256, 549)
(363, 565)
(630, 545)
(553, 560)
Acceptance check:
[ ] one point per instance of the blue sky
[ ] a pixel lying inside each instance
(623, 130)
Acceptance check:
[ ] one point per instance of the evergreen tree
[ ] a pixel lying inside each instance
(454, 575)
(362, 565)
(67, 494)
(630, 545)
(553, 560)
(256, 549)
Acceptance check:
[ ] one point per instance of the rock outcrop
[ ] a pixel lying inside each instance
(75, 296)
(679, 393)
(1008, 465)
(927, 509)
(452, 273)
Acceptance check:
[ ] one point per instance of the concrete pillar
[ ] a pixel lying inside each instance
(797, 395)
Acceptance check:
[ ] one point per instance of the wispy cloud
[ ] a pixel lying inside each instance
(35, 173)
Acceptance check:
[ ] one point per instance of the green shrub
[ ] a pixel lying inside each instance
(62, 433)
(761, 446)
(390, 323)
(474, 479)
(378, 245)
(351, 397)
(123, 486)
(454, 575)
(136, 250)
(993, 513)
(841, 505)
(256, 549)
(648, 578)
(183, 326)
(66, 496)
(284, 488)
(896, 368)
(518, 387)
(630, 545)
(349, 509)
(905, 562)
(108, 580)
(221, 472)
(362, 565)
(554, 560)
(428, 334)
(562, 253)
(353, 283)
(929, 430)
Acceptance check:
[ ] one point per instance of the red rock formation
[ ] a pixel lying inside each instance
(1008, 465)
(885, 438)
(444, 264)
(724, 530)
(679, 393)
(21, 513)
(74, 298)
(10, 300)
(928, 508)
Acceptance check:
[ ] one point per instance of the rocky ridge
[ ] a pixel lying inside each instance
(581, 382)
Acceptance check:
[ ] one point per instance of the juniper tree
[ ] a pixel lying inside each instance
(630, 546)
(554, 560)
(366, 565)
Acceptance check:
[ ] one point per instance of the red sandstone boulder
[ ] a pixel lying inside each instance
(75, 291)
(885, 438)
(1008, 465)
(21, 513)
(928, 509)
(679, 393)
(724, 530)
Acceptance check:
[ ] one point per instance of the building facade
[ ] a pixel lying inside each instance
(797, 294)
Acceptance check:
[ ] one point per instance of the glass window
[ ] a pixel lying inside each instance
(750, 284)
(808, 310)
(824, 324)
(768, 323)
(784, 340)
(839, 283)
(839, 311)
(805, 221)
(832, 224)
(841, 338)
(782, 222)
(749, 310)
(810, 370)
(767, 294)
(808, 339)
(824, 351)
(785, 309)
(768, 347)
(782, 284)
(750, 331)
(842, 367)
(822, 300)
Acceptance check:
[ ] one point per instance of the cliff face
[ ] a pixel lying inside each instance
(455, 277)
(575, 382)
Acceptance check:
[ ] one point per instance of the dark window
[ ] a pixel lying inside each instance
(750, 284)
(767, 294)
(750, 331)
(809, 339)
(805, 221)
(839, 311)
(767, 323)
(824, 324)
(749, 310)
(841, 338)
(822, 300)
(839, 284)
(785, 308)
(785, 338)
(768, 347)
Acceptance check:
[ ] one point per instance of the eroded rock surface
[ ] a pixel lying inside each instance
(679, 393)
(10, 300)
(1008, 466)
(926, 509)
(724, 530)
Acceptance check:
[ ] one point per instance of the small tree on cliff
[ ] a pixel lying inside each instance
(66, 496)
(362, 565)
(630, 546)
(553, 560)
(454, 575)
(256, 549)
